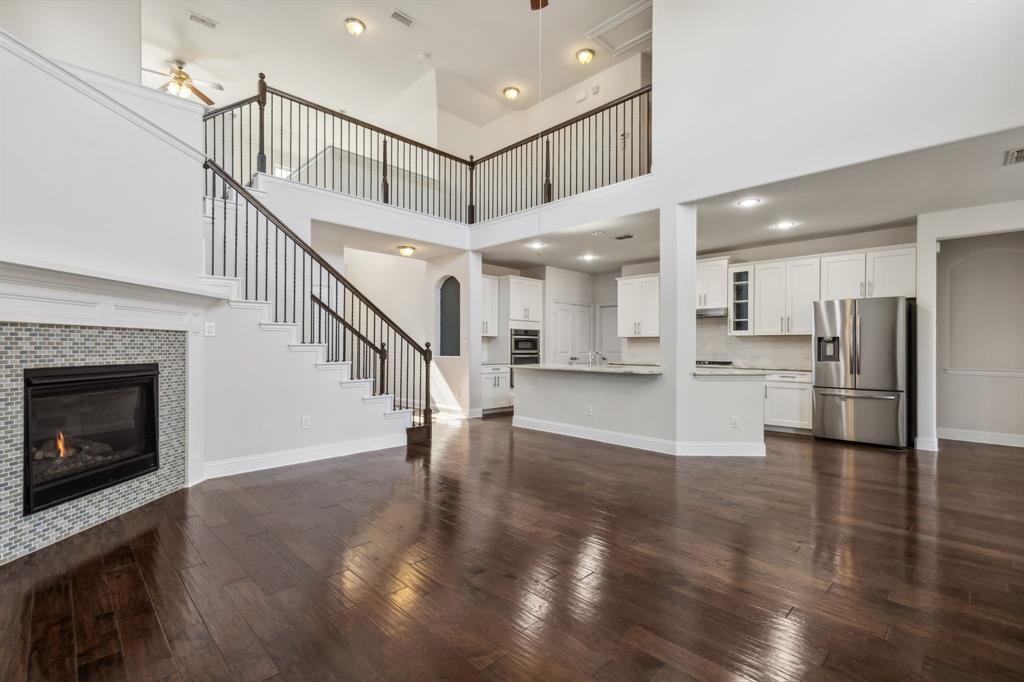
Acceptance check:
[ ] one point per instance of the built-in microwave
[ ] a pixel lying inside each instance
(525, 341)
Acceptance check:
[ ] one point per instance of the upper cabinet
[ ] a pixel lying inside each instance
(489, 325)
(785, 291)
(741, 300)
(892, 272)
(526, 299)
(885, 272)
(639, 299)
(842, 276)
(712, 283)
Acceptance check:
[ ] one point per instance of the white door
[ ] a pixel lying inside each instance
(560, 337)
(607, 334)
(490, 306)
(650, 314)
(803, 285)
(892, 273)
(630, 303)
(770, 298)
(842, 277)
(716, 283)
(787, 404)
(582, 341)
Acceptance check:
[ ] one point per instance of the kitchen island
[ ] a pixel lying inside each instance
(649, 370)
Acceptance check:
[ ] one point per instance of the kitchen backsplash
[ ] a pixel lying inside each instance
(768, 352)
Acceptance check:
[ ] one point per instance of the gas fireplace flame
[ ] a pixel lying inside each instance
(62, 447)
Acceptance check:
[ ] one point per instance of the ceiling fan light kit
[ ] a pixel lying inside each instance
(355, 26)
(585, 56)
(511, 92)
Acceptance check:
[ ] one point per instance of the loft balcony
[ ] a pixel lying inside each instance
(289, 137)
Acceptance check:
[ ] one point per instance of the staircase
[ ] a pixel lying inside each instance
(289, 290)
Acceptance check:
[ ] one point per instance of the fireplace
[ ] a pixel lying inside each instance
(87, 428)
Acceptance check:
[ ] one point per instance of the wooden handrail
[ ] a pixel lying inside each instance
(345, 323)
(240, 103)
(269, 215)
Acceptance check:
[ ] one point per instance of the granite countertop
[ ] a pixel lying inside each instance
(648, 370)
(749, 372)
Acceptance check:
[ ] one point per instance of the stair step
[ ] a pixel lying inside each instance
(250, 305)
(279, 326)
(366, 383)
(398, 414)
(307, 347)
(328, 366)
(386, 399)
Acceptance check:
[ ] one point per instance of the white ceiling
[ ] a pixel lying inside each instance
(304, 49)
(888, 191)
(332, 238)
(563, 249)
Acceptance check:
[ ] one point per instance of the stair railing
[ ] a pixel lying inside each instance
(290, 137)
(247, 241)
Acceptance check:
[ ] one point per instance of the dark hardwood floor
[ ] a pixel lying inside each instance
(513, 555)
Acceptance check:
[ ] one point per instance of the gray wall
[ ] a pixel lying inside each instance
(980, 340)
(24, 346)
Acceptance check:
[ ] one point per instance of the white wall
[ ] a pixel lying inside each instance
(102, 35)
(393, 284)
(412, 112)
(456, 388)
(772, 90)
(606, 288)
(932, 227)
(979, 348)
(891, 236)
(86, 185)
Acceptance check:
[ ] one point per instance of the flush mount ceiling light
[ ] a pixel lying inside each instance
(406, 250)
(511, 92)
(749, 202)
(536, 246)
(588, 257)
(355, 26)
(585, 56)
(783, 225)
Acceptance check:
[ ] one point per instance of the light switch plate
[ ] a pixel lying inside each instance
(210, 329)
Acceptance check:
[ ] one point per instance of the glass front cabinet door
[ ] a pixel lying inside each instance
(741, 300)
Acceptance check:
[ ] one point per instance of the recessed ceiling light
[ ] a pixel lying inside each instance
(585, 56)
(536, 245)
(511, 92)
(355, 26)
(588, 257)
(784, 225)
(597, 232)
(749, 202)
(406, 250)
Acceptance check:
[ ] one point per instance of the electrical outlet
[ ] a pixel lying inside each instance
(210, 329)
(590, 411)
(735, 422)
(305, 422)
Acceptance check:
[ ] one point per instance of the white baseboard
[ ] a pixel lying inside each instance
(313, 453)
(659, 445)
(929, 444)
(1014, 440)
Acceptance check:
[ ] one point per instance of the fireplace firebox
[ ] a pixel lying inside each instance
(87, 428)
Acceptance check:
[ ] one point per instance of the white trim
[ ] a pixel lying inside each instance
(1014, 440)
(1003, 373)
(598, 32)
(659, 445)
(313, 453)
(925, 443)
(15, 47)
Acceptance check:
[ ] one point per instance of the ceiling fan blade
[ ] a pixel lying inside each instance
(159, 73)
(198, 93)
(208, 84)
(538, 4)
(166, 87)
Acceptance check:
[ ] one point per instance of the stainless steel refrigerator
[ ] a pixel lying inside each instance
(863, 370)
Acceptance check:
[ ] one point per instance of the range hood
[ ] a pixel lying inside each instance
(712, 312)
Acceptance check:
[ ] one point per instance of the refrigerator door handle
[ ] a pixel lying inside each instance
(857, 349)
(858, 397)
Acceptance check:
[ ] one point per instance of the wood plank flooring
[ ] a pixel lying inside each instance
(505, 554)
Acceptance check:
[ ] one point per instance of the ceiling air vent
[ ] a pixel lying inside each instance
(1014, 156)
(201, 20)
(402, 18)
(623, 236)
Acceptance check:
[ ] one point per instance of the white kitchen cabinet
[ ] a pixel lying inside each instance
(770, 299)
(712, 283)
(803, 288)
(526, 299)
(892, 272)
(489, 325)
(842, 276)
(639, 301)
(787, 401)
(741, 300)
(495, 389)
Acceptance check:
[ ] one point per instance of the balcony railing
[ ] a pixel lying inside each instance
(290, 137)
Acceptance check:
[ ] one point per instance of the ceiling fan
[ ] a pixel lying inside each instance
(538, 4)
(182, 84)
